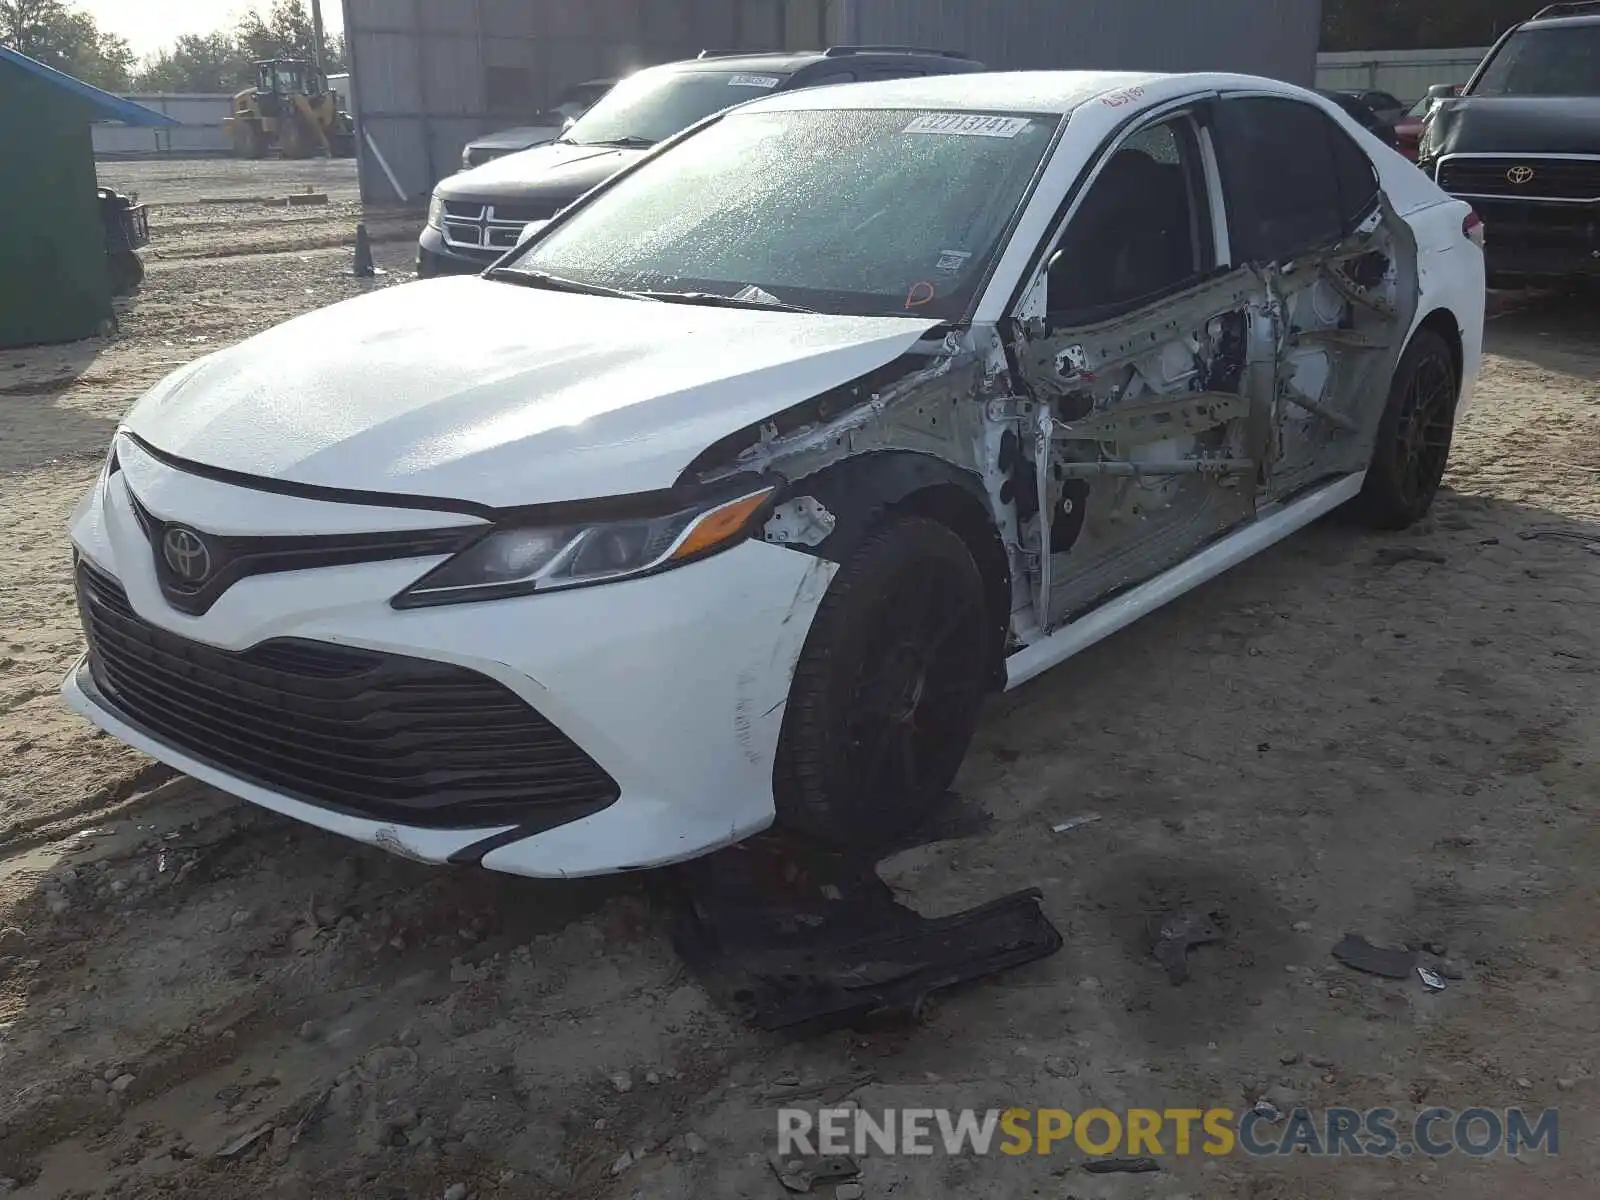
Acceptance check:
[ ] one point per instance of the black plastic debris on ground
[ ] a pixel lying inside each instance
(1125, 1166)
(1178, 933)
(802, 1175)
(789, 935)
(1390, 556)
(1355, 951)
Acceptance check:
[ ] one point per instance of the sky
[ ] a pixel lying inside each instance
(151, 25)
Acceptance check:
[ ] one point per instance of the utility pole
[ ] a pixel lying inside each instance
(316, 34)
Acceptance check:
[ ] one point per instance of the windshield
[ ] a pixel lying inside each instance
(653, 105)
(854, 211)
(1545, 62)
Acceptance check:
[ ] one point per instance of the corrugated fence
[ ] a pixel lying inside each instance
(1406, 74)
(199, 128)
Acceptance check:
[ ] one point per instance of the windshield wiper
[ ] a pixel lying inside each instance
(559, 283)
(716, 300)
(628, 140)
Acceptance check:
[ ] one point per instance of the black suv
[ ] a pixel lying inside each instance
(1522, 144)
(476, 216)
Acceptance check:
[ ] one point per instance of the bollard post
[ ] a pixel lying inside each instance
(363, 268)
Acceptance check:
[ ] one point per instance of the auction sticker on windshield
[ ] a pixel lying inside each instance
(760, 81)
(968, 125)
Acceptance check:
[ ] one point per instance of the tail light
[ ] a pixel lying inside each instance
(1473, 229)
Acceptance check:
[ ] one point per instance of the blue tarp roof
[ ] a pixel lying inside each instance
(107, 106)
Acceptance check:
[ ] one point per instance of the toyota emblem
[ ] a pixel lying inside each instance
(186, 554)
(1520, 175)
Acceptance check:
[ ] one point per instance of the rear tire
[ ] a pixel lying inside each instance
(888, 688)
(127, 272)
(1414, 435)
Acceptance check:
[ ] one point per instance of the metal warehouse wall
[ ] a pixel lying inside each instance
(1259, 37)
(430, 75)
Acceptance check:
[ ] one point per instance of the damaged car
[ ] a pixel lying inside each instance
(727, 498)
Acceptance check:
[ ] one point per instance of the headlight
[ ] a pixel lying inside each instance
(513, 560)
(435, 211)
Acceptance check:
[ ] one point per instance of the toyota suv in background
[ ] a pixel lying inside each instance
(476, 216)
(547, 126)
(1522, 144)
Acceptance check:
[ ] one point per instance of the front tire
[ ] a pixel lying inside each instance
(888, 688)
(1414, 435)
(248, 140)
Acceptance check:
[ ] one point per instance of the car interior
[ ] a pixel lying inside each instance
(1132, 237)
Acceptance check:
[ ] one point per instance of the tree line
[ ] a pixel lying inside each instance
(64, 37)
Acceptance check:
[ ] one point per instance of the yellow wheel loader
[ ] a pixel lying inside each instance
(291, 112)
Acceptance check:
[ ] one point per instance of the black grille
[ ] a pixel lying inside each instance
(232, 558)
(485, 231)
(1551, 178)
(523, 213)
(382, 736)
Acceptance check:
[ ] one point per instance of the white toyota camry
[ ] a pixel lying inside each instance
(727, 497)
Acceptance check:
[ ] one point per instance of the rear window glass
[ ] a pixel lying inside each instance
(655, 105)
(1294, 180)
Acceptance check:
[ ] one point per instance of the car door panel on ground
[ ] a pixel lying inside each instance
(1140, 368)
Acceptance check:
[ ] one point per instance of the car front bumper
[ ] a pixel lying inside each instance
(674, 684)
(1541, 240)
(436, 258)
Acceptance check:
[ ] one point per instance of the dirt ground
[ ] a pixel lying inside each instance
(200, 999)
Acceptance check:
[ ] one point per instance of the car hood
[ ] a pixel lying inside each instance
(501, 395)
(519, 138)
(558, 172)
(1515, 125)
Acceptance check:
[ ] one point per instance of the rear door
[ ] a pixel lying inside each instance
(1146, 361)
(1306, 214)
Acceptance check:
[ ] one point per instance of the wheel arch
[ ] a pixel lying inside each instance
(1444, 323)
(866, 490)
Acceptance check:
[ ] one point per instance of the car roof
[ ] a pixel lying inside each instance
(989, 91)
(790, 62)
(1564, 15)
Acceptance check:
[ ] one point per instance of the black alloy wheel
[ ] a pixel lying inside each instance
(888, 690)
